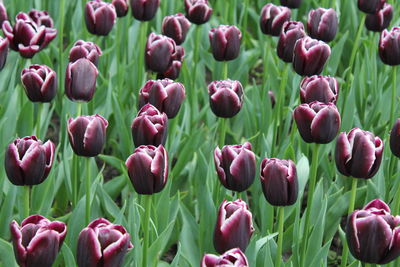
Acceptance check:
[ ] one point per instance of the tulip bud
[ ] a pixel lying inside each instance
(389, 44)
(380, 20)
(370, 6)
(37, 241)
(310, 56)
(234, 257)
(40, 83)
(80, 80)
(99, 17)
(322, 24)
(395, 139)
(144, 10)
(198, 11)
(121, 7)
(87, 134)
(226, 97)
(272, 19)
(291, 3)
(149, 127)
(279, 181)
(3, 14)
(324, 89)
(102, 243)
(291, 32)
(272, 98)
(176, 63)
(4, 44)
(225, 42)
(236, 166)
(176, 27)
(234, 226)
(159, 52)
(148, 169)
(373, 234)
(27, 161)
(41, 18)
(358, 153)
(88, 50)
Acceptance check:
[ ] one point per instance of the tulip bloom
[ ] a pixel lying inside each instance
(176, 27)
(41, 18)
(322, 24)
(121, 7)
(176, 63)
(370, 6)
(358, 153)
(234, 257)
(225, 42)
(395, 139)
(3, 14)
(100, 17)
(291, 32)
(389, 44)
(291, 3)
(272, 19)
(40, 83)
(144, 10)
(234, 226)
(380, 20)
(226, 98)
(198, 11)
(236, 166)
(324, 89)
(27, 161)
(88, 50)
(102, 243)
(160, 51)
(87, 134)
(373, 234)
(4, 44)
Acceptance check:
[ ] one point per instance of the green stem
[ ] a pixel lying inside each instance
(193, 89)
(78, 109)
(27, 193)
(225, 70)
(368, 265)
(393, 97)
(88, 183)
(222, 132)
(280, 237)
(61, 45)
(147, 200)
(142, 43)
(244, 27)
(39, 117)
(75, 167)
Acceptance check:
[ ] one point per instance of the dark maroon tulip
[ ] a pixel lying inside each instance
(4, 44)
(121, 7)
(310, 56)
(144, 10)
(370, 6)
(358, 153)
(40, 83)
(226, 98)
(272, 98)
(176, 27)
(279, 181)
(234, 257)
(373, 234)
(37, 241)
(174, 69)
(198, 11)
(26, 36)
(160, 51)
(87, 134)
(102, 244)
(28, 161)
(291, 32)
(80, 80)
(324, 89)
(322, 24)
(149, 127)
(148, 169)
(225, 42)
(3, 14)
(88, 50)
(236, 166)
(234, 226)
(291, 3)
(389, 46)
(317, 122)
(166, 95)
(100, 17)
(395, 139)
(41, 18)
(380, 20)
(272, 19)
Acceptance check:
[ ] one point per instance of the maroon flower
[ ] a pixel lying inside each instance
(88, 50)
(144, 10)
(41, 18)
(322, 24)
(176, 27)
(291, 3)
(234, 257)
(226, 97)
(380, 20)
(4, 44)
(100, 17)
(121, 7)
(291, 32)
(324, 89)
(198, 11)
(272, 19)
(389, 46)
(395, 139)
(175, 66)
(370, 6)
(225, 42)
(3, 14)
(40, 83)
(160, 51)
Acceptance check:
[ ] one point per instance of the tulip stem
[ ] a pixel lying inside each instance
(146, 222)
(39, 116)
(225, 70)
(27, 193)
(222, 125)
(281, 219)
(142, 42)
(393, 97)
(195, 59)
(88, 183)
(75, 163)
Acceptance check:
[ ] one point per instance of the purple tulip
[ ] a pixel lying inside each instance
(373, 234)
(234, 226)
(324, 89)
(88, 50)
(148, 169)
(100, 17)
(389, 46)
(102, 244)
(41, 18)
(144, 10)
(4, 45)
(3, 14)
(291, 32)
(176, 27)
(226, 98)
(28, 161)
(358, 153)
(279, 181)
(225, 42)
(310, 56)
(198, 11)
(234, 257)
(236, 166)
(395, 139)
(149, 127)
(121, 7)
(380, 20)
(272, 19)
(160, 52)
(174, 69)
(40, 83)
(370, 6)
(87, 134)
(291, 3)
(322, 24)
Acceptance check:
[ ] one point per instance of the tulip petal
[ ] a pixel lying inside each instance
(89, 250)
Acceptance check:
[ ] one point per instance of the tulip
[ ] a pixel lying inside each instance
(144, 10)
(80, 80)
(100, 17)
(395, 139)
(226, 97)
(389, 46)
(4, 44)
(370, 6)
(87, 134)
(310, 56)
(234, 226)
(3, 14)
(149, 127)
(176, 63)
(319, 88)
(322, 24)
(102, 244)
(225, 42)
(176, 27)
(88, 50)
(291, 3)
(166, 95)
(272, 98)
(236, 166)
(291, 32)
(198, 11)
(160, 51)
(26, 36)
(234, 257)
(121, 7)
(148, 169)
(41, 18)
(37, 241)
(380, 20)
(40, 83)
(272, 19)
(373, 234)
(28, 161)
(358, 153)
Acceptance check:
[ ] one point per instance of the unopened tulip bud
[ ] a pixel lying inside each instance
(226, 98)
(144, 10)
(324, 89)
(40, 83)
(121, 7)
(198, 11)
(176, 27)
(291, 32)
(370, 6)
(159, 52)
(88, 50)
(233, 257)
(380, 20)
(291, 3)
(322, 24)
(272, 19)
(100, 17)
(174, 69)
(389, 46)
(225, 42)
(395, 139)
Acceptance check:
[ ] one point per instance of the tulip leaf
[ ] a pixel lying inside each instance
(6, 254)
